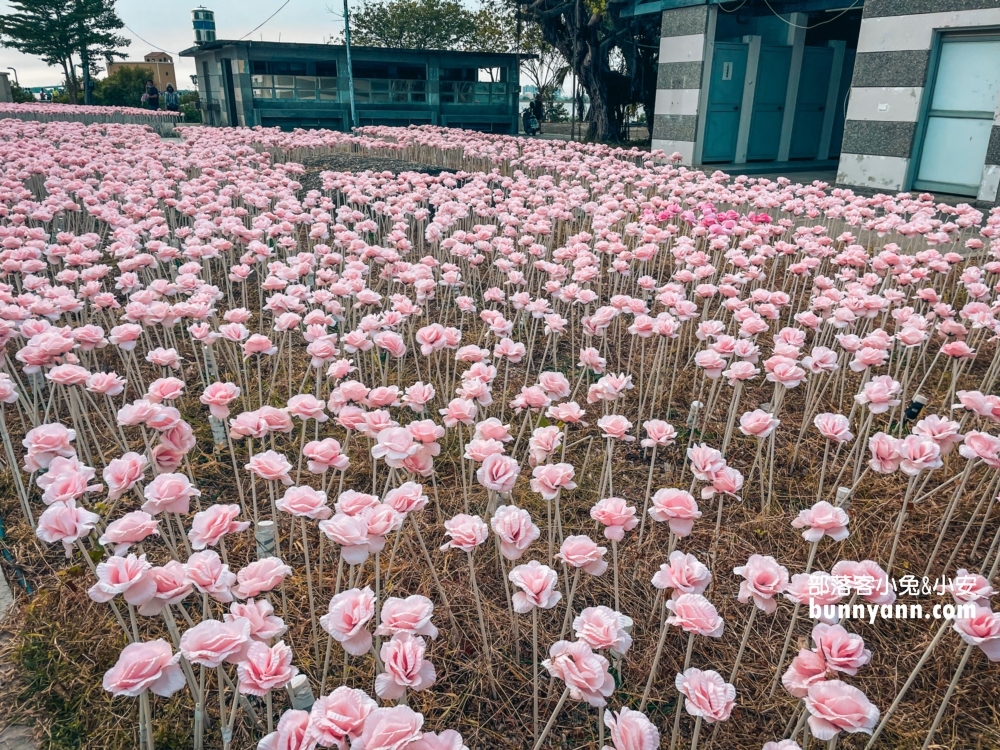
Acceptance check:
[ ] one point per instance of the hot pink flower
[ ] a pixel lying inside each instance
(584, 672)
(708, 695)
(151, 665)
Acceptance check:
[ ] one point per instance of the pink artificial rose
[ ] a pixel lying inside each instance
(616, 516)
(410, 615)
(169, 493)
(218, 396)
(631, 730)
(879, 394)
(271, 466)
(394, 445)
(293, 733)
(145, 666)
(835, 707)
(538, 587)
(261, 576)
(211, 643)
(764, 579)
(128, 576)
(172, 587)
(584, 672)
(782, 745)
(132, 528)
(944, 432)
(165, 389)
(498, 473)
(918, 453)
(466, 532)
(406, 498)
(583, 552)
(693, 613)
(46, 442)
(817, 588)
(658, 434)
(969, 587)
(885, 453)
(677, 507)
(264, 624)
(66, 523)
(708, 695)
(549, 479)
(833, 427)
(351, 533)
(981, 629)
(615, 427)
(390, 729)
(265, 668)
(705, 462)
(804, 671)
(210, 525)
(121, 474)
(822, 519)
(602, 627)
(305, 502)
(405, 667)
(867, 578)
(323, 455)
(206, 571)
(449, 739)
(106, 383)
(516, 530)
(843, 652)
(684, 573)
(758, 423)
(340, 716)
(345, 622)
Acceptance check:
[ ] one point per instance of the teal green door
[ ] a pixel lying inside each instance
(810, 106)
(769, 103)
(837, 135)
(725, 100)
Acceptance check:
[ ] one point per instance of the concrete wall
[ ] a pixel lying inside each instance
(891, 75)
(685, 35)
(5, 92)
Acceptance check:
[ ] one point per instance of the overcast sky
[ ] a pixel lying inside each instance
(166, 24)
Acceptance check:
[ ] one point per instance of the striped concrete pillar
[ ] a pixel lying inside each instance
(891, 74)
(685, 46)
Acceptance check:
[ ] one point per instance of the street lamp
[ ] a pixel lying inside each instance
(15, 76)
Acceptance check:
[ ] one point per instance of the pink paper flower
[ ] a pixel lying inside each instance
(271, 466)
(405, 667)
(804, 671)
(498, 473)
(603, 628)
(549, 479)
(293, 733)
(538, 587)
(390, 729)
(210, 525)
(842, 651)
(822, 519)
(677, 507)
(211, 643)
(683, 573)
(264, 624)
(516, 530)
(693, 613)
(128, 576)
(410, 615)
(169, 493)
(583, 552)
(132, 528)
(261, 576)
(466, 532)
(121, 474)
(206, 571)
(764, 579)
(584, 672)
(151, 665)
(835, 707)
(347, 618)
(833, 427)
(340, 716)
(66, 523)
(708, 695)
(631, 730)
(616, 516)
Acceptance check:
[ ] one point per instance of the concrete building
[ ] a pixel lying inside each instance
(159, 66)
(306, 85)
(6, 95)
(893, 94)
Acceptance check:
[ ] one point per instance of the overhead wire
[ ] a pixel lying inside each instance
(141, 39)
(821, 23)
(280, 8)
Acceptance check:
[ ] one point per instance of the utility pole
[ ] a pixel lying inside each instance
(85, 59)
(576, 36)
(350, 69)
(15, 77)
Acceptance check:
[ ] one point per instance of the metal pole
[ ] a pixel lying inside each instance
(15, 76)
(85, 58)
(350, 69)
(576, 36)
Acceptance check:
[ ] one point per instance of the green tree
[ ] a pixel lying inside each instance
(19, 95)
(412, 24)
(64, 33)
(190, 108)
(122, 88)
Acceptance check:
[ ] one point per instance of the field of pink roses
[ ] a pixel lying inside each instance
(565, 447)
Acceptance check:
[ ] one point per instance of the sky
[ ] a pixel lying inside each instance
(166, 25)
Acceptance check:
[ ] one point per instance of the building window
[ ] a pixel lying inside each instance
(468, 92)
(274, 85)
